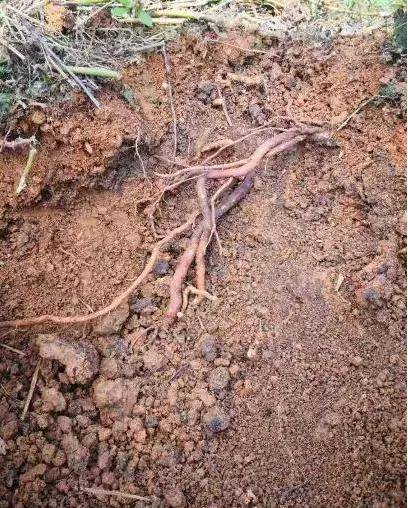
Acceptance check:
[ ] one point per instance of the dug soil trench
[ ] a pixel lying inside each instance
(289, 388)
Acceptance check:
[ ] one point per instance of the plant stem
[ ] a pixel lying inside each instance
(156, 21)
(99, 72)
(89, 2)
(22, 184)
(170, 13)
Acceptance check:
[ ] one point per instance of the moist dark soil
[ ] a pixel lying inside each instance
(289, 389)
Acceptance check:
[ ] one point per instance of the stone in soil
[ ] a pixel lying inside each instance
(209, 349)
(216, 420)
(218, 379)
(161, 267)
(139, 304)
(81, 360)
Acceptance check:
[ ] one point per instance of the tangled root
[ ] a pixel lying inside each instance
(203, 232)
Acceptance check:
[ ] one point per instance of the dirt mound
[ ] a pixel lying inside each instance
(288, 390)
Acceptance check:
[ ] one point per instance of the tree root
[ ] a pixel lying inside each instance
(204, 231)
(191, 289)
(188, 255)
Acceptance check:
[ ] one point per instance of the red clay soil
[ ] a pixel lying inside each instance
(289, 390)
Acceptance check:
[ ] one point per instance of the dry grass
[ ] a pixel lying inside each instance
(45, 43)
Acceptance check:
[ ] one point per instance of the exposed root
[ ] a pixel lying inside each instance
(224, 107)
(188, 255)
(180, 273)
(200, 293)
(50, 318)
(200, 261)
(203, 231)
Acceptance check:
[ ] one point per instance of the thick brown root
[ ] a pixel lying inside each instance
(184, 262)
(203, 232)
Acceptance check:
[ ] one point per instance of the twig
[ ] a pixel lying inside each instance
(170, 94)
(22, 184)
(81, 261)
(14, 350)
(31, 390)
(98, 72)
(224, 107)
(156, 21)
(59, 65)
(356, 111)
(138, 154)
(116, 493)
(12, 49)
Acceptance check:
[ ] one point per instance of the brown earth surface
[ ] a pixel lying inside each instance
(289, 390)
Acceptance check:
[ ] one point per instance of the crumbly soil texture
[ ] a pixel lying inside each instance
(287, 390)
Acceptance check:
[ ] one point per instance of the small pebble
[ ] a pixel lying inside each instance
(209, 349)
(216, 420)
(356, 361)
(251, 353)
(219, 378)
(161, 267)
(151, 422)
(140, 303)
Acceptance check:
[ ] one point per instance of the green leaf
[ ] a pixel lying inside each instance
(144, 17)
(129, 96)
(5, 104)
(119, 12)
(127, 3)
(400, 30)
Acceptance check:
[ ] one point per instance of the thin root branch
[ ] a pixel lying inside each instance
(50, 318)
(115, 493)
(224, 107)
(199, 292)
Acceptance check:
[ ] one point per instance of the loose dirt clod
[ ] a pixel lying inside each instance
(53, 401)
(119, 393)
(112, 322)
(153, 360)
(81, 360)
(175, 498)
(77, 454)
(218, 379)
